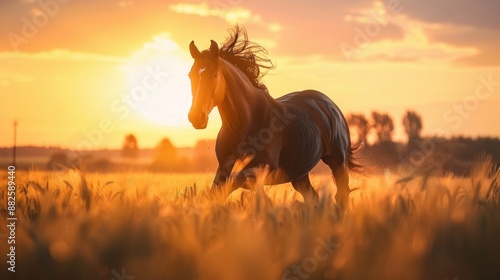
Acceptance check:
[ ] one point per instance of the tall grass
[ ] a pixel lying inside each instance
(91, 226)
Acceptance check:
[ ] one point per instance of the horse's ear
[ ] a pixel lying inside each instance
(214, 48)
(195, 53)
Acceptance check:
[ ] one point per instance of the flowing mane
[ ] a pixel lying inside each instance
(247, 56)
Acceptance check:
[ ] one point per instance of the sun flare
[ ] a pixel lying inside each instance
(158, 83)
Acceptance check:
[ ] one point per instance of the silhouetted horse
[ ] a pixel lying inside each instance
(289, 134)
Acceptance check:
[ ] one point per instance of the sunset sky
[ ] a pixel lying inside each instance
(72, 72)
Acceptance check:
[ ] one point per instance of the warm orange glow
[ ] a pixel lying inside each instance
(61, 83)
(158, 82)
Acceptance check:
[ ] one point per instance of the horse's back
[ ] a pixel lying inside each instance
(317, 106)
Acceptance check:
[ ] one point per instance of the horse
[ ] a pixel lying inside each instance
(288, 135)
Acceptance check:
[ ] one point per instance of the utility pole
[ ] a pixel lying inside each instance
(14, 148)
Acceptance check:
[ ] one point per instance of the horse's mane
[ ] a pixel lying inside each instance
(247, 56)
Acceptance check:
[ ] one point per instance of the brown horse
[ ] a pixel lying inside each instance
(288, 135)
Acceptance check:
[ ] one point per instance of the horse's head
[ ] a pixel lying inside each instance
(207, 84)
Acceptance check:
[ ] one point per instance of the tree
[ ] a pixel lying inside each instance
(59, 161)
(361, 126)
(412, 123)
(384, 126)
(165, 155)
(205, 147)
(130, 148)
(204, 156)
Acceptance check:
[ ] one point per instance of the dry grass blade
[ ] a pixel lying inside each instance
(494, 186)
(68, 185)
(56, 193)
(85, 193)
(37, 186)
(120, 193)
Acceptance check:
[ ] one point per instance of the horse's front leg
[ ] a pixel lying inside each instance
(221, 177)
(245, 178)
(225, 182)
(220, 187)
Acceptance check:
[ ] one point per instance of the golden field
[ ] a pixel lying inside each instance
(162, 226)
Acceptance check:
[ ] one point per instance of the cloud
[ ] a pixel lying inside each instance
(486, 42)
(459, 32)
(126, 4)
(462, 30)
(231, 15)
(61, 55)
(480, 14)
(160, 50)
(25, 67)
(414, 46)
(266, 43)
(473, 25)
(324, 26)
(8, 78)
(161, 43)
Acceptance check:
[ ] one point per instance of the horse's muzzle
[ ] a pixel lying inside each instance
(199, 121)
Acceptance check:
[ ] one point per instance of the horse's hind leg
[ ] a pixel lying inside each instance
(304, 187)
(340, 173)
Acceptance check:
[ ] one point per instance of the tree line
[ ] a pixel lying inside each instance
(383, 126)
(456, 154)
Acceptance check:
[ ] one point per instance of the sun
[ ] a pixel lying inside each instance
(159, 83)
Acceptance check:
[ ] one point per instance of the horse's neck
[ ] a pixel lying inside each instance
(243, 103)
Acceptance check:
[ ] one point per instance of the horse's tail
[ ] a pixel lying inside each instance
(353, 164)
